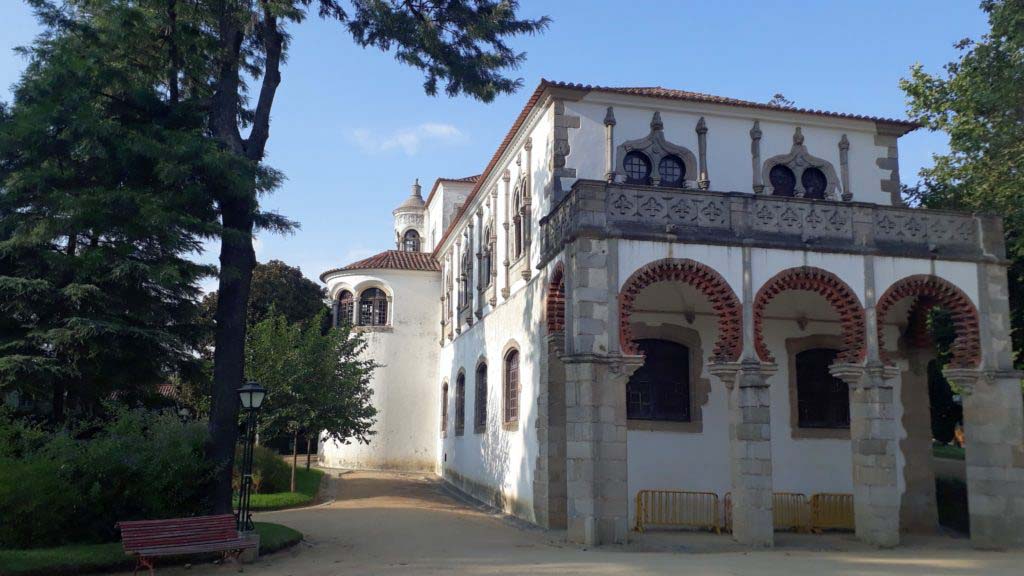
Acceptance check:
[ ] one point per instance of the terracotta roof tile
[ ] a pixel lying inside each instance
(650, 92)
(392, 260)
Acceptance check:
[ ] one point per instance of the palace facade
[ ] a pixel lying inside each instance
(651, 289)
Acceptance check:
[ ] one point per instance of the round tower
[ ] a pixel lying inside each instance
(409, 221)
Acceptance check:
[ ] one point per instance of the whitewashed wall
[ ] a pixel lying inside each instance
(404, 391)
(728, 138)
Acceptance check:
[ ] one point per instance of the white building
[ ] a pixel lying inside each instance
(637, 268)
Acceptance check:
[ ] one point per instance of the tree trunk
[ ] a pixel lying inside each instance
(295, 456)
(309, 443)
(237, 260)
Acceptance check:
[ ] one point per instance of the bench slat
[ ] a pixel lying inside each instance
(202, 533)
(237, 544)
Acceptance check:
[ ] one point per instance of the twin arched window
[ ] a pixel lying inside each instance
(783, 182)
(411, 241)
(373, 307)
(511, 388)
(671, 169)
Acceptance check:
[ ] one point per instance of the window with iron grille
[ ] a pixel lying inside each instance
(815, 182)
(660, 389)
(511, 396)
(346, 306)
(373, 307)
(783, 180)
(638, 168)
(671, 171)
(480, 399)
(823, 401)
(411, 241)
(460, 404)
(444, 408)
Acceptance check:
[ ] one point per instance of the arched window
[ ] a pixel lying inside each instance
(671, 171)
(517, 224)
(411, 241)
(480, 399)
(814, 182)
(444, 408)
(346, 306)
(822, 400)
(460, 404)
(466, 277)
(783, 181)
(638, 168)
(660, 389)
(373, 307)
(511, 391)
(486, 259)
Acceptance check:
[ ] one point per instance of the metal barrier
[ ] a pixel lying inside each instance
(676, 508)
(832, 512)
(790, 511)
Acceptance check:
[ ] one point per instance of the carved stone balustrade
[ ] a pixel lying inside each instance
(594, 208)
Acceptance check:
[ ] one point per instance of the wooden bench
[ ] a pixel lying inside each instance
(149, 539)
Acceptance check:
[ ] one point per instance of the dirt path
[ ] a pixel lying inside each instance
(380, 523)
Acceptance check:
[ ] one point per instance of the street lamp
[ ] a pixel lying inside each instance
(251, 394)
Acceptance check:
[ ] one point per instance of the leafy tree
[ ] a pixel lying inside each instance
(779, 99)
(458, 42)
(977, 102)
(103, 179)
(282, 287)
(317, 382)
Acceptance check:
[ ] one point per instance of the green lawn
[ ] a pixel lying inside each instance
(306, 481)
(90, 558)
(948, 451)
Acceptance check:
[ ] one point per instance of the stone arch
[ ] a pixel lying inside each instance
(932, 291)
(709, 282)
(839, 295)
(554, 308)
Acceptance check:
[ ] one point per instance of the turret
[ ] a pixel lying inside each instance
(409, 221)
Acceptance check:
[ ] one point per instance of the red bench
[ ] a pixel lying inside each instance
(149, 539)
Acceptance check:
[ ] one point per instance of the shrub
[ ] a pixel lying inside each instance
(76, 484)
(270, 473)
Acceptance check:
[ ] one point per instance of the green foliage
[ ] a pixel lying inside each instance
(977, 102)
(278, 286)
(77, 483)
(307, 485)
(270, 472)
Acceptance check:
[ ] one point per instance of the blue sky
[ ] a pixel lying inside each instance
(352, 128)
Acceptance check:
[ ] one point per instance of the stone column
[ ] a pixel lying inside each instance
(750, 448)
(597, 475)
(876, 497)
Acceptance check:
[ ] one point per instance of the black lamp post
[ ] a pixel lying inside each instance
(252, 395)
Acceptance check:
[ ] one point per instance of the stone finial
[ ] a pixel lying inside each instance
(755, 132)
(609, 117)
(416, 188)
(506, 175)
(656, 123)
(702, 126)
(844, 143)
(798, 137)
(528, 145)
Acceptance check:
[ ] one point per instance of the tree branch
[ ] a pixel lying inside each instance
(273, 41)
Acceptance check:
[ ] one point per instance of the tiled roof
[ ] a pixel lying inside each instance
(392, 260)
(464, 180)
(649, 92)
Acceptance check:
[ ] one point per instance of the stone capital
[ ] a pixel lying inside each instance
(749, 373)
(969, 378)
(867, 375)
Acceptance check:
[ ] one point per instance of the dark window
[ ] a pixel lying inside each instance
(511, 387)
(660, 389)
(411, 241)
(485, 259)
(466, 279)
(672, 171)
(783, 181)
(444, 408)
(822, 400)
(346, 305)
(638, 168)
(517, 224)
(373, 308)
(814, 182)
(480, 408)
(460, 404)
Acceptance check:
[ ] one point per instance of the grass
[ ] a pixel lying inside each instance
(306, 481)
(948, 451)
(90, 558)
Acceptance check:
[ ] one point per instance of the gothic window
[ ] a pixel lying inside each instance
(460, 404)
(517, 223)
(783, 181)
(466, 278)
(411, 241)
(480, 398)
(660, 389)
(486, 259)
(444, 408)
(511, 388)
(346, 305)
(373, 307)
(823, 401)
(671, 171)
(638, 168)
(814, 182)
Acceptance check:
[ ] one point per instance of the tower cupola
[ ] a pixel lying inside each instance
(409, 220)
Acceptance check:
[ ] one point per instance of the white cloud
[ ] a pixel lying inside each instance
(408, 140)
